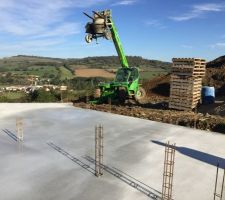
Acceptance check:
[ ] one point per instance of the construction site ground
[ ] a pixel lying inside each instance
(154, 107)
(55, 160)
(205, 117)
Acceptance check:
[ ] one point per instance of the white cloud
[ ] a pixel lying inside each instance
(38, 24)
(199, 10)
(185, 46)
(218, 45)
(124, 3)
(34, 17)
(155, 23)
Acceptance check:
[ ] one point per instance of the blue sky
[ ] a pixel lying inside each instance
(154, 29)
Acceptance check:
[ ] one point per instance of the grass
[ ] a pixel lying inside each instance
(65, 73)
(42, 71)
(13, 95)
(147, 75)
(45, 72)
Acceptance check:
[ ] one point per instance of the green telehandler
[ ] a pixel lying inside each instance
(126, 83)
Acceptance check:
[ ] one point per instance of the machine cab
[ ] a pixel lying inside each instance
(127, 75)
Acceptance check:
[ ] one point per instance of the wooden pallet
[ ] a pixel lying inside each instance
(186, 82)
(177, 100)
(189, 60)
(185, 108)
(185, 89)
(189, 67)
(183, 103)
(183, 96)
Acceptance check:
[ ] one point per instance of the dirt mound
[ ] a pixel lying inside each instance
(220, 110)
(217, 63)
(215, 75)
(159, 86)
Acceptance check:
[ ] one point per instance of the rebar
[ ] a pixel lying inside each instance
(168, 171)
(19, 129)
(99, 150)
(219, 195)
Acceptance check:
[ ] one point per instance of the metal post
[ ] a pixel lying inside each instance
(219, 195)
(87, 101)
(19, 129)
(167, 185)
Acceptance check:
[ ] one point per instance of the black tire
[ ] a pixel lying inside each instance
(122, 94)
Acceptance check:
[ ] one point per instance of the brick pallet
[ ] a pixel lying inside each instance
(186, 83)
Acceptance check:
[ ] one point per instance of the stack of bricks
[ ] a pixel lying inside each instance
(186, 83)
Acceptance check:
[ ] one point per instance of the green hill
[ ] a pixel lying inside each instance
(56, 69)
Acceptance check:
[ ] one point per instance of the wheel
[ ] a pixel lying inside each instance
(88, 38)
(108, 35)
(141, 94)
(122, 95)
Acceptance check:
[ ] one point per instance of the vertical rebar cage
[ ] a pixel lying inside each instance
(19, 129)
(99, 150)
(168, 171)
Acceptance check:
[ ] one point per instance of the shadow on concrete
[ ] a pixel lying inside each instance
(74, 159)
(198, 155)
(10, 134)
(140, 186)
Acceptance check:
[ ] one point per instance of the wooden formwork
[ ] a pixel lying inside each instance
(186, 83)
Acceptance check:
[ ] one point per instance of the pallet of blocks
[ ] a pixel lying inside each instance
(186, 83)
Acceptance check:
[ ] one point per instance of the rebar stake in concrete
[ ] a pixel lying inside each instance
(87, 101)
(168, 172)
(19, 129)
(99, 150)
(219, 195)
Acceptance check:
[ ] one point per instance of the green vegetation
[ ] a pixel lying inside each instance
(147, 75)
(85, 83)
(52, 68)
(16, 70)
(65, 73)
(12, 97)
(113, 62)
(44, 96)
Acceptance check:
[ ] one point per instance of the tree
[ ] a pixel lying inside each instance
(44, 96)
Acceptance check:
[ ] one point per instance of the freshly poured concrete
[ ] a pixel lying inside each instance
(37, 171)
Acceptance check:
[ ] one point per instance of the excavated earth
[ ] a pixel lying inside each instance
(159, 113)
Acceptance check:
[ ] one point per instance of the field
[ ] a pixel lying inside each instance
(147, 75)
(42, 71)
(110, 73)
(94, 73)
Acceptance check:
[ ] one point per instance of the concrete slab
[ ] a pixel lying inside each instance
(55, 159)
